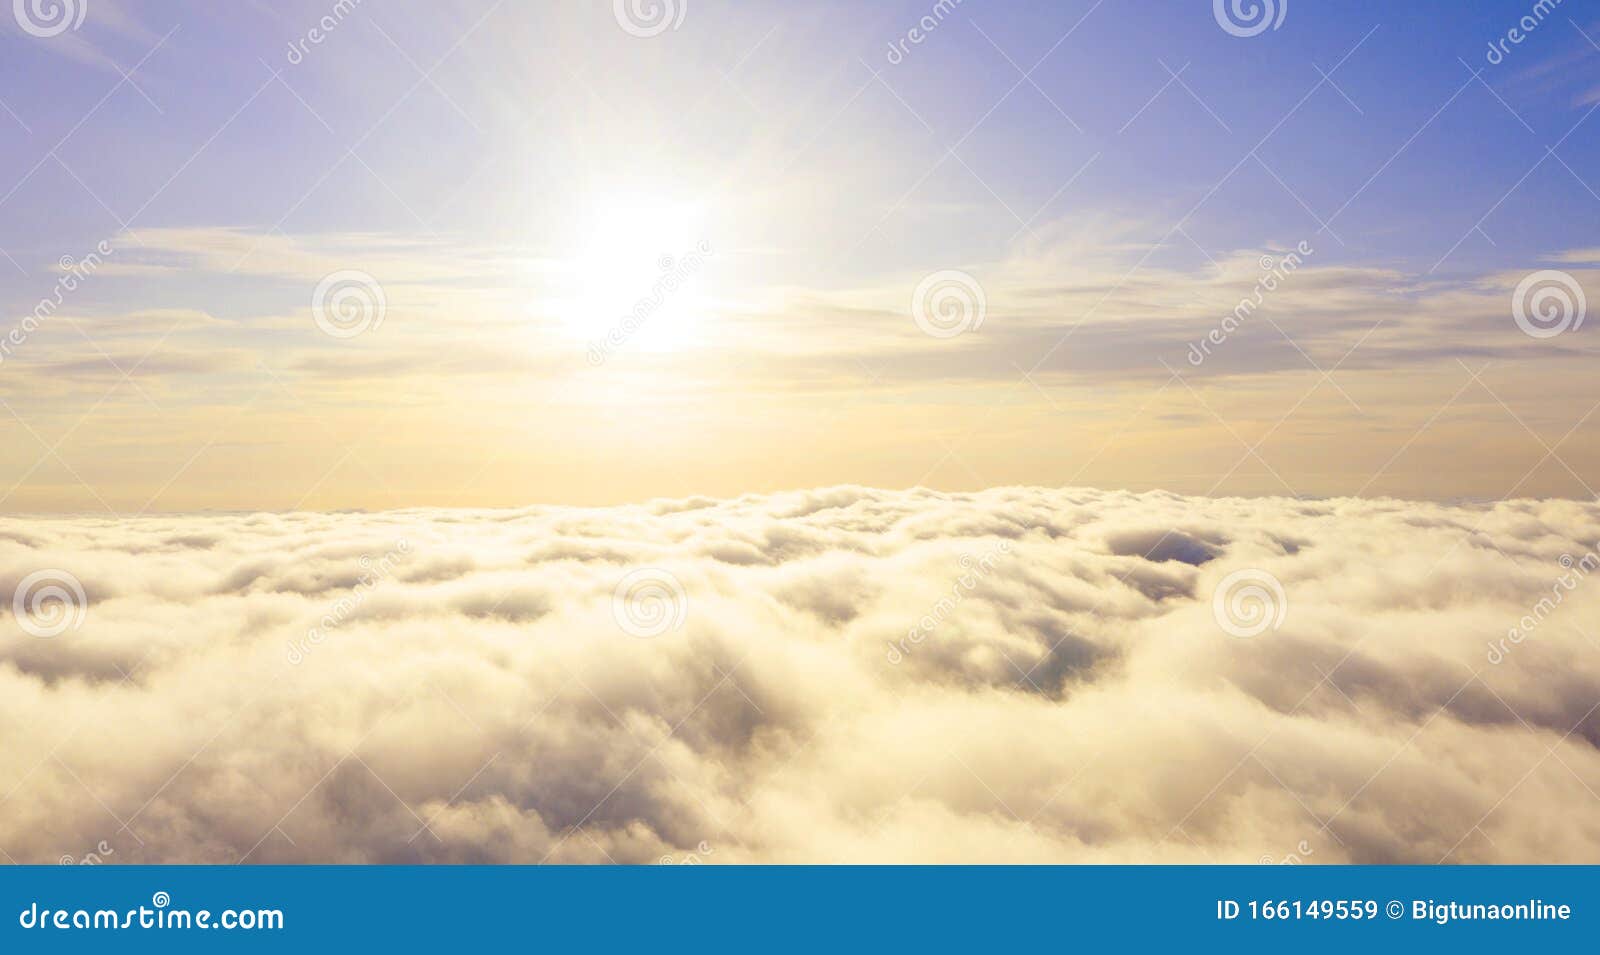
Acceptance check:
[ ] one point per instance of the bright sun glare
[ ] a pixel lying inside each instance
(637, 268)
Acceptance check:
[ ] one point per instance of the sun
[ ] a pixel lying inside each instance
(636, 269)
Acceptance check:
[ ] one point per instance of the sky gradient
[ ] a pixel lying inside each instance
(379, 255)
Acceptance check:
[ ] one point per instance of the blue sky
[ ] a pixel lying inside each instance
(1094, 164)
(522, 113)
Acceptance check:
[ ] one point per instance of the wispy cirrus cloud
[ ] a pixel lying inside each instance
(463, 333)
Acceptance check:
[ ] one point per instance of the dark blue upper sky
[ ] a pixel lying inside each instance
(1399, 152)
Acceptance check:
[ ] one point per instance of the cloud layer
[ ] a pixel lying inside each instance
(841, 675)
(1232, 362)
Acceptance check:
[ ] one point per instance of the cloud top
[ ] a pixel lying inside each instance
(839, 675)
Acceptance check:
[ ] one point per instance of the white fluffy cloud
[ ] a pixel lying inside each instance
(844, 675)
